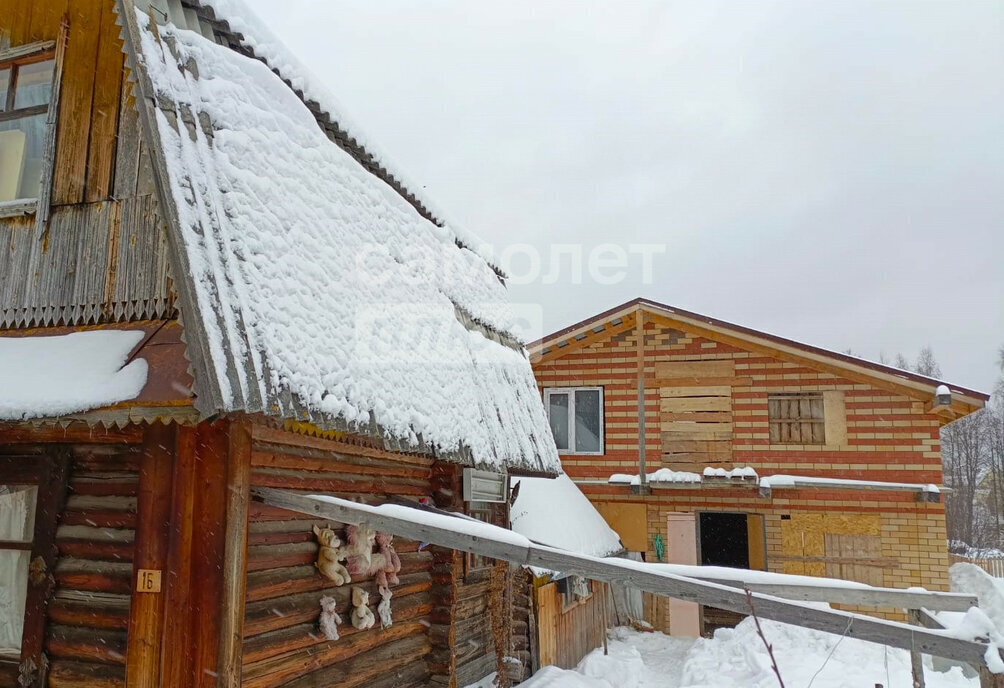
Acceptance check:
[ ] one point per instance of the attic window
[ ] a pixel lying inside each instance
(796, 418)
(25, 94)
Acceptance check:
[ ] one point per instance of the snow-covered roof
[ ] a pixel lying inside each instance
(554, 512)
(50, 376)
(312, 289)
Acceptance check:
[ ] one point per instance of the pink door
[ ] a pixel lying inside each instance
(681, 548)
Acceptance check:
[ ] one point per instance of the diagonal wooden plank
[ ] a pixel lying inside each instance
(463, 534)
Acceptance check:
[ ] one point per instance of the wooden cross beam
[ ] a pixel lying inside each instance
(458, 533)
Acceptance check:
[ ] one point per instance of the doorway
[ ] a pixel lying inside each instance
(724, 540)
(734, 540)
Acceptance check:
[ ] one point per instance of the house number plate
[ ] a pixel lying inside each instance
(148, 580)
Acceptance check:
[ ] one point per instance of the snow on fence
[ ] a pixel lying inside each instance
(992, 565)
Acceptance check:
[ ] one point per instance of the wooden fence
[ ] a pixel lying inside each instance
(994, 566)
(567, 634)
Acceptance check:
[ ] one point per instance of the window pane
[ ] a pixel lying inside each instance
(22, 142)
(4, 82)
(34, 84)
(557, 413)
(587, 420)
(17, 522)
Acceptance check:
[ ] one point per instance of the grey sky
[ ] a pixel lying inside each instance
(829, 171)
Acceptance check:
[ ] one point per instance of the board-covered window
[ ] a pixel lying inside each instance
(25, 94)
(576, 417)
(17, 526)
(796, 418)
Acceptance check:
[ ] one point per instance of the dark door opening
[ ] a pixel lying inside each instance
(724, 540)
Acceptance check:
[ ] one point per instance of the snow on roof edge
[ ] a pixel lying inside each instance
(264, 44)
(49, 376)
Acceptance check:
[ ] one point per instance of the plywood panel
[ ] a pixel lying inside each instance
(757, 543)
(668, 438)
(835, 417)
(685, 404)
(696, 391)
(672, 369)
(629, 521)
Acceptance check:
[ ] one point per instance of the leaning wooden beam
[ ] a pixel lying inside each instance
(866, 597)
(467, 535)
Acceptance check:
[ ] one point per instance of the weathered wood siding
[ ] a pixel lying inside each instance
(282, 643)
(103, 255)
(568, 635)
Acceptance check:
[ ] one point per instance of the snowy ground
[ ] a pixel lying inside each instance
(737, 658)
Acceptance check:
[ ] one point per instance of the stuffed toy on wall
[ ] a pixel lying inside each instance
(362, 615)
(360, 550)
(391, 564)
(383, 609)
(329, 618)
(330, 555)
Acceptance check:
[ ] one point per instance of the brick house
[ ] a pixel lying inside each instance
(758, 452)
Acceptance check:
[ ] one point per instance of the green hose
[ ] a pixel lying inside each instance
(660, 547)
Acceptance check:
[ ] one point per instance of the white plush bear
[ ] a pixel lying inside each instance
(362, 615)
(330, 555)
(329, 618)
(383, 609)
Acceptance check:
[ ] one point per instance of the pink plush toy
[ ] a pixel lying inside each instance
(387, 576)
(360, 550)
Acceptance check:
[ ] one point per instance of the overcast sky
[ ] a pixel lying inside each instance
(829, 171)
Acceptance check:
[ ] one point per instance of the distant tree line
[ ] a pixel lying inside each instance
(973, 460)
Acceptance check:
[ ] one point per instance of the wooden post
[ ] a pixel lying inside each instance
(212, 448)
(988, 679)
(639, 329)
(176, 663)
(153, 521)
(916, 658)
(235, 555)
(603, 603)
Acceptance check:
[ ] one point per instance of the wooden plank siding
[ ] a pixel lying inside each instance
(883, 436)
(101, 207)
(282, 644)
(568, 635)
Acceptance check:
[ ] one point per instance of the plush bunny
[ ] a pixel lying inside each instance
(330, 555)
(362, 615)
(383, 609)
(329, 618)
(392, 562)
(360, 550)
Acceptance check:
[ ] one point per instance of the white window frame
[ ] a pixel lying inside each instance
(570, 391)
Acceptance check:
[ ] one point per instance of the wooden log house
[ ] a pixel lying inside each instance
(181, 211)
(560, 617)
(707, 442)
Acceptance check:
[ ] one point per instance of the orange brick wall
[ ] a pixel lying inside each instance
(889, 438)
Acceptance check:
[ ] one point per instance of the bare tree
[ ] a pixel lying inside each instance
(926, 363)
(965, 461)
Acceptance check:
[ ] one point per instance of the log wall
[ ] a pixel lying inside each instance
(282, 643)
(83, 609)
